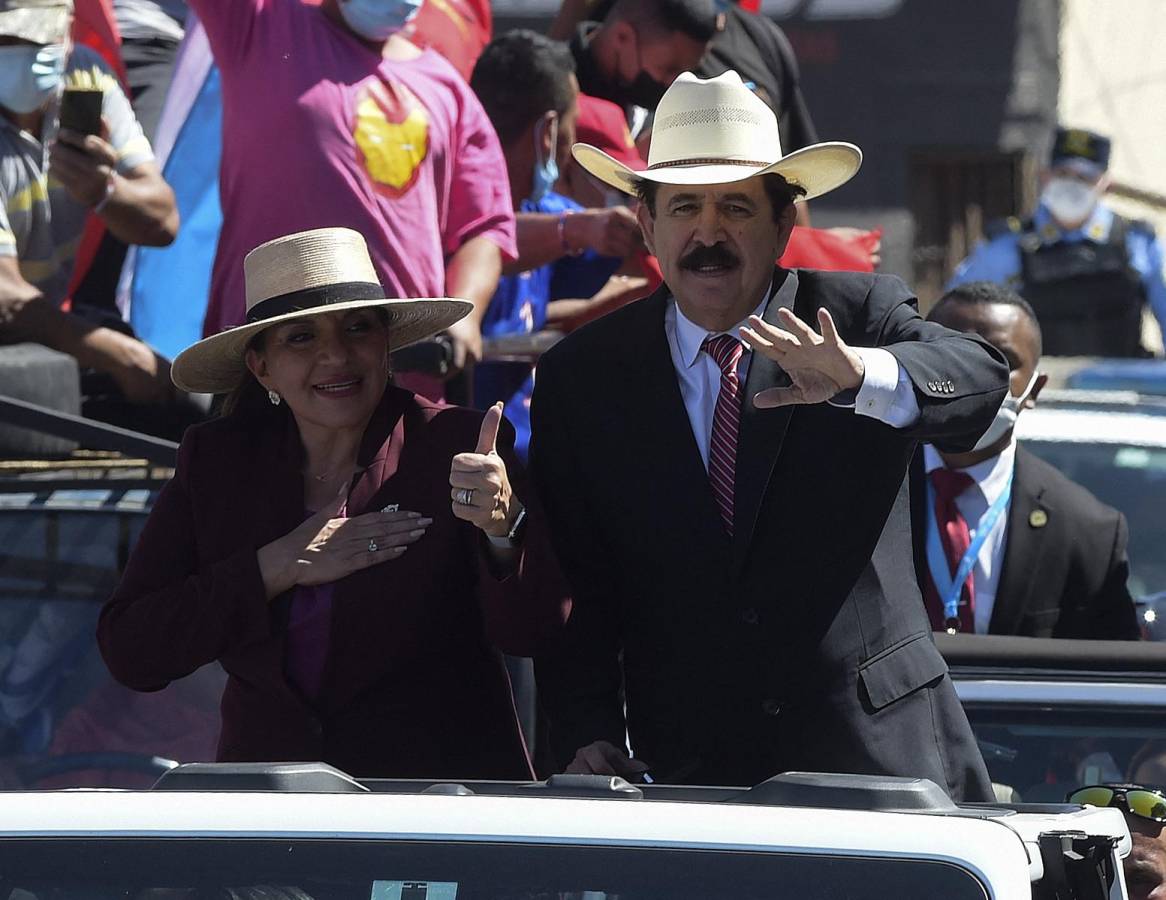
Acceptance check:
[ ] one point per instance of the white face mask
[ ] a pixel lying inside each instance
(30, 75)
(1006, 417)
(1070, 201)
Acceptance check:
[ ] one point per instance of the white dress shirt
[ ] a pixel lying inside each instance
(991, 477)
(886, 394)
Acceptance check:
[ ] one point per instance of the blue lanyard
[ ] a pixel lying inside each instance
(950, 587)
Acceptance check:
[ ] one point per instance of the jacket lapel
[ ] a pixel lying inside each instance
(1024, 544)
(380, 450)
(762, 430)
(684, 493)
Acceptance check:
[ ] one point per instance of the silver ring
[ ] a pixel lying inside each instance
(464, 497)
(372, 545)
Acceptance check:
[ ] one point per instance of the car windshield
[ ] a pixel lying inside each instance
(405, 870)
(1130, 478)
(1044, 752)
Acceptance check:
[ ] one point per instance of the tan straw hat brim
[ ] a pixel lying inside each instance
(215, 364)
(819, 169)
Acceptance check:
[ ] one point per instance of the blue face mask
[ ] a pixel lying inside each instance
(30, 76)
(378, 20)
(546, 171)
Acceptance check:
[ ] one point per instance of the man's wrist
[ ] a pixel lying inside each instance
(570, 241)
(110, 190)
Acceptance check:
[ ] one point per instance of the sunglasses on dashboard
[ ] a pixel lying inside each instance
(1141, 802)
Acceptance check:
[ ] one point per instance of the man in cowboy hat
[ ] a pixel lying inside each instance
(725, 483)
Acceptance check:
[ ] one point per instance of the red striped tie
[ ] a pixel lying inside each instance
(726, 352)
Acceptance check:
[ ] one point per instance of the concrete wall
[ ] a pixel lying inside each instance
(1113, 80)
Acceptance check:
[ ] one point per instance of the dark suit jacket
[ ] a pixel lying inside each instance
(801, 643)
(413, 685)
(1064, 573)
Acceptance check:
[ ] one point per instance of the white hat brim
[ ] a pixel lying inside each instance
(215, 364)
(818, 169)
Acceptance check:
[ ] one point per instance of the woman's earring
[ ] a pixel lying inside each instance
(274, 398)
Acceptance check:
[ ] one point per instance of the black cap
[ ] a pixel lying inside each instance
(1077, 144)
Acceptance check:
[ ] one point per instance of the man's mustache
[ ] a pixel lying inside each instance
(715, 255)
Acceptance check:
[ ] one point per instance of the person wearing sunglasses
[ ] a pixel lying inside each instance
(1145, 813)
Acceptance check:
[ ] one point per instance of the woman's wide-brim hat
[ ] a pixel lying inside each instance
(327, 270)
(717, 131)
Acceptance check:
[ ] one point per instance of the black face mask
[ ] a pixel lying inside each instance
(643, 90)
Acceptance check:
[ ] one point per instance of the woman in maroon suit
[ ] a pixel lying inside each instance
(308, 541)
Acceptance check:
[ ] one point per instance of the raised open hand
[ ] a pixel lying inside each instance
(479, 484)
(819, 365)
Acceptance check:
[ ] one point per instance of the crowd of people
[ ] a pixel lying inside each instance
(713, 587)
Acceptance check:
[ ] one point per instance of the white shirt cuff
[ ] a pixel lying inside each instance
(886, 393)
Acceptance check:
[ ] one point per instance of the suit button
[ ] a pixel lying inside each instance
(770, 707)
(931, 385)
(750, 617)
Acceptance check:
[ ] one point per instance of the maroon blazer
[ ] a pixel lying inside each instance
(414, 685)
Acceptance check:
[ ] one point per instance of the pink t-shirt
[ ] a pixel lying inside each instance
(319, 130)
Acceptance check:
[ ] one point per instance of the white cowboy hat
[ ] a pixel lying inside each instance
(322, 271)
(717, 131)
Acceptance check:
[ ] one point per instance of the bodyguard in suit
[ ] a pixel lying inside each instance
(725, 483)
(1042, 556)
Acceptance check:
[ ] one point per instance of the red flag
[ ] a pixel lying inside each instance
(94, 26)
(818, 248)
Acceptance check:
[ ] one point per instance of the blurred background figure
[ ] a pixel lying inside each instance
(1144, 806)
(151, 32)
(527, 86)
(1087, 271)
(53, 178)
(635, 49)
(1004, 543)
(358, 127)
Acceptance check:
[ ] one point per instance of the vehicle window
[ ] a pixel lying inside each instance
(1131, 479)
(64, 722)
(400, 870)
(1044, 754)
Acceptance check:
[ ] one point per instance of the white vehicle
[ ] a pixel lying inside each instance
(1114, 444)
(309, 832)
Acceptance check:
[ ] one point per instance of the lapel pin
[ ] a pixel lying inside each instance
(1038, 518)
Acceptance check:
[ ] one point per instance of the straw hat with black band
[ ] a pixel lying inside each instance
(717, 131)
(326, 270)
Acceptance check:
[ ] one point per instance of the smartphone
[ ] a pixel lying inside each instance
(81, 110)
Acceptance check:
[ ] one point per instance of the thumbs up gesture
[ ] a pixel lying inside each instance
(479, 486)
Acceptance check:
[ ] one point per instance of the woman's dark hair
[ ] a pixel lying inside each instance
(780, 192)
(250, 397)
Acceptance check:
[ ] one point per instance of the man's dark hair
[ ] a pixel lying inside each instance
(986, 292)
(696, 19)
(519, 76)
(780, 192)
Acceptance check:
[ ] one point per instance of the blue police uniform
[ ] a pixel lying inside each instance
(519, 306)
(1002, 257)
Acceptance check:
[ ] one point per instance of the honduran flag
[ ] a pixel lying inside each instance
(164, 290)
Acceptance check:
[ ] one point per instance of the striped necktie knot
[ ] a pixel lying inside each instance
(725, 350)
